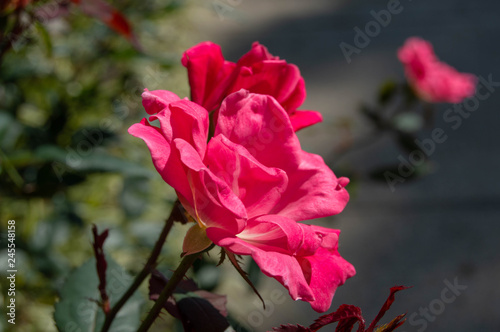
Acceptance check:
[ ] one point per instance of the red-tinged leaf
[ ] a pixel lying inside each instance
(385, 307)
(291, 328)
(347, 315)
(157, 282)
(101, 265)
(394, 324)
(110, 16)
(219, 302)
(244, 275)
(199, 315)
(187, 286)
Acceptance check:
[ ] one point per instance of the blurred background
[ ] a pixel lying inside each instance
(71, 87)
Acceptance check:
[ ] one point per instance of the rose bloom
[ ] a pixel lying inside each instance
(433, 80)
(212, 79)
(247, 188)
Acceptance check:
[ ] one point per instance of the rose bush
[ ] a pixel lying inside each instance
(247, 188)
(212, 78)
(433, 80)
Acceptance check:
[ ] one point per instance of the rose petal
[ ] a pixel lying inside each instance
(313, 191)
(155, 101)
(214, 204)
(275, 78)
(257, 186)
(261, 125)
(322, 265)
(209, 74)
(165, 160)
(186, 120)
(433, 80)
(257, 53)
(270, 251)
(303, 119)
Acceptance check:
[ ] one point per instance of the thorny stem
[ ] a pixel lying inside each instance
(147, 269)
(179, 273)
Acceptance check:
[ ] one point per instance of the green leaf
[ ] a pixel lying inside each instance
(91, 161)
(408, 122)
(77, 309)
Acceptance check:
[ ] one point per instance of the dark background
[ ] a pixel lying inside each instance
(443, 226)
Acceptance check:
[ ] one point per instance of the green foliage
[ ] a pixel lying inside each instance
(69, 89)
(78, 309)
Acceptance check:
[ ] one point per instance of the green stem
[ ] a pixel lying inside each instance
(179, 273)
(148, 268)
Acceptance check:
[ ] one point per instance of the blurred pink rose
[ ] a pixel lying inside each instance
(248, 186)
(212, 78)
(433, 80)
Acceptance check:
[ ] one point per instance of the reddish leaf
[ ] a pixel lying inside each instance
(347, 315)
(156, 284)
(199, 315)
(197, 309)
(291, 328)
(385, 307)
(219, 302)
(394, 324)
(101, 265)
(109, 16)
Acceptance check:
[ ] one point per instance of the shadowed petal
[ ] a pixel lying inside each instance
(165, 160)
(214, 204)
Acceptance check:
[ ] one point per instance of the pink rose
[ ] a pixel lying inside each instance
(248, 186)
(433, 80)
(212, 79)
